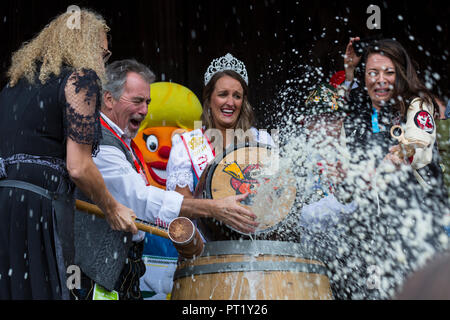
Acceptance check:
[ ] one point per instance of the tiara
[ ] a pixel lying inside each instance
(227, 62)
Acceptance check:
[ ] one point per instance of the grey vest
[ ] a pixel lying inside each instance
(101, 252)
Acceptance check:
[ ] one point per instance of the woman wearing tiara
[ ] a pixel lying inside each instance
(227, 114)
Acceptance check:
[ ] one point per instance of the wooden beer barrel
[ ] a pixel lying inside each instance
(247, 168)
(252, 270)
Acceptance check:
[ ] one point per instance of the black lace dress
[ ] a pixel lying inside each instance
(35, 122)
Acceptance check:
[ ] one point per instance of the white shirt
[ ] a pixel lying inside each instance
(129, 188)
(324, 213)
(179, 167)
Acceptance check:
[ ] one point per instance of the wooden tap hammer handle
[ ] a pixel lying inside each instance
(93, 209)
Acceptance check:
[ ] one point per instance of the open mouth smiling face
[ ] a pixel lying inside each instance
(226, 102)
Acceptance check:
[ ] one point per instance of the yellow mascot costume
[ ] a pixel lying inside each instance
(173, 109)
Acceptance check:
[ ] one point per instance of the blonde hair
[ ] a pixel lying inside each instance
(57, 45)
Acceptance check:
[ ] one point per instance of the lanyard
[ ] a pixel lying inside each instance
(137, 153)
(375, 126)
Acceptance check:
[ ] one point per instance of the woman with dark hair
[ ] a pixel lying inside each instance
(401, 199)
(391, 93)
(227, 116)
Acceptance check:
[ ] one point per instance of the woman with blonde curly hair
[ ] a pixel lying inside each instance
(49, 123)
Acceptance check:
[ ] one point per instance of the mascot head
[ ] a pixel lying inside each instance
(173, 109)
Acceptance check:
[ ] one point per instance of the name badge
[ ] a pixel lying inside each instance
(101, 293)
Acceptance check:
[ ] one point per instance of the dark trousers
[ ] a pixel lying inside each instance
(128, 283)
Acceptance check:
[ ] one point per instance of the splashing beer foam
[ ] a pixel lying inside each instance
(372, 250)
